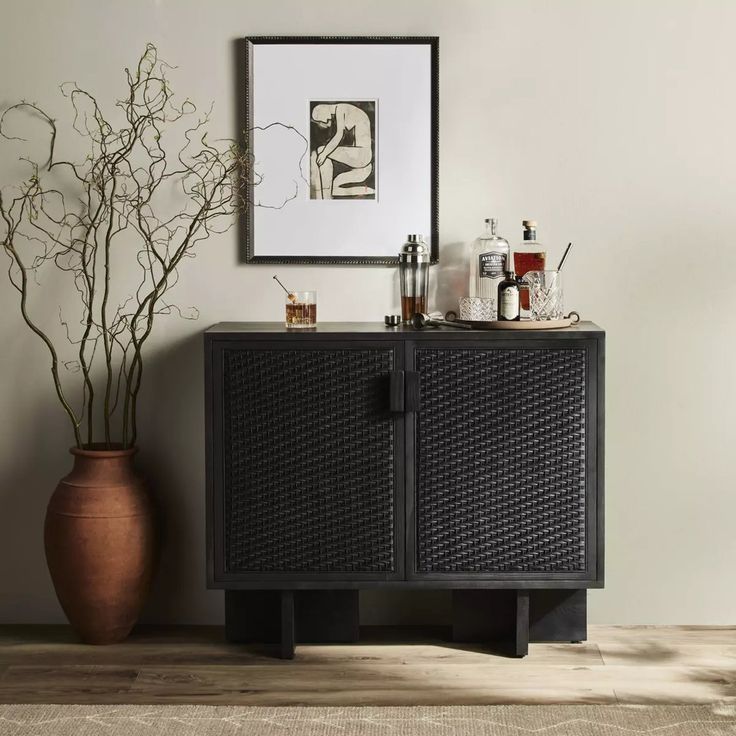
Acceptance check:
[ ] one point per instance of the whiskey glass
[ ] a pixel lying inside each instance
(477, 309)
(545, 295)
(301, 310)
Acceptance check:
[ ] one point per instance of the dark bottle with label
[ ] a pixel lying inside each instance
(508, 299)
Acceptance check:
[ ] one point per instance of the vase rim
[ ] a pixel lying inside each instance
(103, 450)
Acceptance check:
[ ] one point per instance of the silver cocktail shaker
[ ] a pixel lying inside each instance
(413, 277)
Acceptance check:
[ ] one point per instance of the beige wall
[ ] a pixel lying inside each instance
(612, 122)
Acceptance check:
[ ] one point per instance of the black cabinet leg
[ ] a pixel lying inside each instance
(557, 615)
(287, 624)
(521, 645)
(326, 616)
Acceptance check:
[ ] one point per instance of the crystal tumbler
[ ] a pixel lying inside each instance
(477, 309)
(545, 294)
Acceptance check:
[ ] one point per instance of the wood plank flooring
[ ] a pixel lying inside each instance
(680, 664)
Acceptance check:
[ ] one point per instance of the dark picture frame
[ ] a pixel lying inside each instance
(366, 189)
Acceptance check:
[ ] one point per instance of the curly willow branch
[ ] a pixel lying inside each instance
(84, 226)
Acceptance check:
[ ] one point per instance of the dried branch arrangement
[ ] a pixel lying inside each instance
(87, 216)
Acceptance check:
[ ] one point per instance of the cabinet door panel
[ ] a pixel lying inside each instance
(502, 475)
(311, 481)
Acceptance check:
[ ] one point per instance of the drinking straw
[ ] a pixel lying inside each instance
(564, 256)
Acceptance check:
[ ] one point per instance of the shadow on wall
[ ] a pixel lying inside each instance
(172, 459)
(29, 473)
(449, 278)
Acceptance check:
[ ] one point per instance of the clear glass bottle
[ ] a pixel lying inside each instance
(489, 256)
(529, 255)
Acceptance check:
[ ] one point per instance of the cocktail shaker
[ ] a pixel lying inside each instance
(413, 277)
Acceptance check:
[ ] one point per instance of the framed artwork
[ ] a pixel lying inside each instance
(343, 136)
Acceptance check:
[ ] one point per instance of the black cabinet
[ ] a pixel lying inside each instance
(357, 456)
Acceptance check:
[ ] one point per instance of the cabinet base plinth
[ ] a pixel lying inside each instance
(287, 617)
(518, 617)
(508, 619)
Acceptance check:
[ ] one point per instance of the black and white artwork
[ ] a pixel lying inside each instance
(342, 149)
(342, 138)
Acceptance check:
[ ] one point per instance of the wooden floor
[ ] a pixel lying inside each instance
(195, 665)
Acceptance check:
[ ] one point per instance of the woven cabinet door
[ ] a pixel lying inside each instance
(501, 484)
(311, 459)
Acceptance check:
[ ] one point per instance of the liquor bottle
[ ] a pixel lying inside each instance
(489, 256)
(508, 298)
(528, 256)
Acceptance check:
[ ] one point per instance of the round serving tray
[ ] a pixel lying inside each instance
(552, 324)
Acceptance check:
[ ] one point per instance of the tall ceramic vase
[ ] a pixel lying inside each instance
(100, 543)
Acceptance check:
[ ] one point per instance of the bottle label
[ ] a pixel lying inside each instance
(491, 265)
(508, 305)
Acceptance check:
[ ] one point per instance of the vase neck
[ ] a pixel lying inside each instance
(102, 467)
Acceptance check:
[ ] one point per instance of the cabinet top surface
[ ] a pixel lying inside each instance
(378, 330)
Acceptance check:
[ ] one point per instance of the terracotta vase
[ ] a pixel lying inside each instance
(100, 542)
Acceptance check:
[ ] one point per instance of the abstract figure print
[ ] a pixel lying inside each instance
(342, 149)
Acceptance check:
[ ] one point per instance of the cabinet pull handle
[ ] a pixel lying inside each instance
(412, 401)
(397, 392)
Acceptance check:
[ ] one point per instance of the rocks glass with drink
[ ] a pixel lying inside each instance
(301, 307)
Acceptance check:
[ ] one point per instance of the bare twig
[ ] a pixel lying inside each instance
(122, 182)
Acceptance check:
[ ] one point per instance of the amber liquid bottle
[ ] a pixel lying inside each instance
(528, 256)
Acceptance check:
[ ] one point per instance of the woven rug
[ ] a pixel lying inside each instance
(504, 720)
